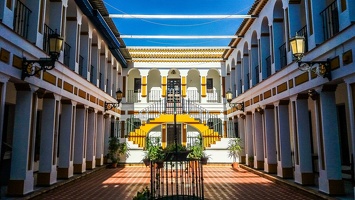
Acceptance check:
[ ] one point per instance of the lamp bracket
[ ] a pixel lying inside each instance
(321, 68)
(110, 106)
(239, 106)
(30, 69)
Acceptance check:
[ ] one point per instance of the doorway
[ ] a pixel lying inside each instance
(170, 136)
(173, 90)
(173, 97)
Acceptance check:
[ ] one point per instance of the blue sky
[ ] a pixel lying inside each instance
(136, 26)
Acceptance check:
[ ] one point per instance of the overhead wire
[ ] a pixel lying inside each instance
(177, 25)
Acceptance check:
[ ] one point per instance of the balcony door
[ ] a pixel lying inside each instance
(172, 91)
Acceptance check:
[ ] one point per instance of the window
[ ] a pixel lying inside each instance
(9, 4)
(137, 85)
(343, 5)
(209, 85)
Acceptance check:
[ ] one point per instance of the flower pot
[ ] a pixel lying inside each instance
(113, 165)
(235, 165)
(193, 164)
(204, 160)
(159, 164)
(177, 156)
(146, 162)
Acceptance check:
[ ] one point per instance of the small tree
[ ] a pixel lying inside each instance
(197, 150)
(234, 148)
(116, 149)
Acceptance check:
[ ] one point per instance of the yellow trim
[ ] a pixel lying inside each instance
(183, 86)
(163, 135)
(203, 86)
(144, 86)
(163, 84)
(183, 80)
(211, 136)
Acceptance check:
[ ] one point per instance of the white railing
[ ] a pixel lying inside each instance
(154, 94)
(193, 95)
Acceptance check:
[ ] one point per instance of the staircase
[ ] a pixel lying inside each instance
(209, 125)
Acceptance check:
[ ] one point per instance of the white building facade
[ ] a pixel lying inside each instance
(295, 124)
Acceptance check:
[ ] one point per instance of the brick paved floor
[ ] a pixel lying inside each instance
(220, 182)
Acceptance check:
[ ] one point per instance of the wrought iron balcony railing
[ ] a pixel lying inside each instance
(330, 18)
(21, 19)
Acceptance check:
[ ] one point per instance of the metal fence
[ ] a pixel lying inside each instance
(177, 179)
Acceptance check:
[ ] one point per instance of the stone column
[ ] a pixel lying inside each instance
(241, 131)
(270, 164)
(330, 174)
(259, 141)
(350, 84)
(302, 141)
(225, 128)
(21, 180)
(91, 139)
(80, 139)
(107, 132)
(47, 174)
(249, 138)
(3, 87)
(66, 140)
(100, 139)
(284, 160)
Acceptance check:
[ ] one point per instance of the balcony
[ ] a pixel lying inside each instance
(303, 32)
(268, 66)
(330, 18)
(81, 65)
(67, 48)
(283, 55)
(47, 31)
(21, 19)
(257, 74)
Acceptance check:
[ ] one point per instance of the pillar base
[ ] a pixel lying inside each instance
(99, 162)
(64, 173)
(305, 179)
(334, 187)
(16, 188)
(259, 164)
(242, 160)
(90, 164)
(79, 168)
(44, 179)
(270, 168)
(285, 173)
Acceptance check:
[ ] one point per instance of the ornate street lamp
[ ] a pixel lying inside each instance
(110, 106)
(238, 106)
(321, 68)
(29, 68)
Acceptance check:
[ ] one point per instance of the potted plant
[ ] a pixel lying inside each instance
(197, 152)
(234, 148)
(116, 149)
(154, 152)
(176, 152)
(144, 194)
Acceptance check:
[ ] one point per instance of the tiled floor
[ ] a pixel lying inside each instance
(220, 182)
